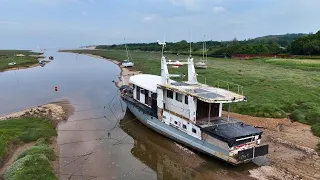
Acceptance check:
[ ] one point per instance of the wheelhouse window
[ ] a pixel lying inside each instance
(194, 130)
(169, 94)
(186, 99)
(142, 91)
(184, 126)
(175, 122)
(179, 97)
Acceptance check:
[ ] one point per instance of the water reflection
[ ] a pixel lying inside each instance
(170, 161)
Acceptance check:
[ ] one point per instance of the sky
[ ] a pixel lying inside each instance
(29, 24)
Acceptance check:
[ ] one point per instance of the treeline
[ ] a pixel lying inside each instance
(273, 44)
(306, 45)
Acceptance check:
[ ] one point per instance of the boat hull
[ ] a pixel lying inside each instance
(181, 137)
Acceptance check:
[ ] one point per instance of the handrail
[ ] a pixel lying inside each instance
(239, 87)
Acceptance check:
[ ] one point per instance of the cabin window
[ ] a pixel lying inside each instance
(142, 91)
(169, 94)
(194, 130)
(175, 122)
(138, 93)
(184, 126)
(186, 99)
(179, 97)
(154, 95)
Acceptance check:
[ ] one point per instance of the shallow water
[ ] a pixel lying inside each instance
(102, 140)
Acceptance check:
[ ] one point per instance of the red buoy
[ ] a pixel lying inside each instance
(56, 88)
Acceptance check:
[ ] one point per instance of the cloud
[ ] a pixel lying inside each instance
(218, 9)
(147, 18)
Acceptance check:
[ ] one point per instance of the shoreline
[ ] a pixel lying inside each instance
(291, 154)
(125, 72)
(56, 112)
(36, 64)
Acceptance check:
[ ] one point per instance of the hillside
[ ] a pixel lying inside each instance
(271, 44)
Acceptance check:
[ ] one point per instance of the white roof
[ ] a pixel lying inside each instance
(205, 93)
(147, 81)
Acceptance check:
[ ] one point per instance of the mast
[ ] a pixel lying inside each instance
(203, 46)
(164, 67)
(192, 75)
(126, 49)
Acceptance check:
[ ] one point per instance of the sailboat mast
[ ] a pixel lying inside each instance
(190, 42)
(126, 48)
(203, 46)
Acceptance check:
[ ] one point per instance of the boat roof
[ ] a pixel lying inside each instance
(147, 81)
(230, 130)
(205, 93)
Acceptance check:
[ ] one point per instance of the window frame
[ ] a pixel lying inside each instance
(179, 95)
(194, 130)
(169, 92)
(186, 101)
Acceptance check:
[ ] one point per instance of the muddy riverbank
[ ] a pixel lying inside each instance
(55, 112)
(292, 145)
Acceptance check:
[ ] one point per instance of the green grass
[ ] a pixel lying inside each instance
(305, 64)
(22, 130)
(7, 56)
(273, 90)
(33, 163)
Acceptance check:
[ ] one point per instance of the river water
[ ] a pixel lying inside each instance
(102, 140)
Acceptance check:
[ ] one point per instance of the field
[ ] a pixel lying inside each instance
(305, 64)
(274, 88)
(9, 56)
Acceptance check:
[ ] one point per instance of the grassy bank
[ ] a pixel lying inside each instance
(273, 89)
(22, 58)
(33, 163)
(14, 132)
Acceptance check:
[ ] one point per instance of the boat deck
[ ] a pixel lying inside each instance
(205, 93)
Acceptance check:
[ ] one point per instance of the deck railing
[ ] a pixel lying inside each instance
(230, 86)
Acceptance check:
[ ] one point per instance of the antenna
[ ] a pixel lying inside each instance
(163, 44)
(190, 42)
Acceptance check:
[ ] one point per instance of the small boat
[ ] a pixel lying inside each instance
(202, 64)
(42, 62)
(51, 58)
(176, 64)
(190, 113)
(12, 63)
(127, 62)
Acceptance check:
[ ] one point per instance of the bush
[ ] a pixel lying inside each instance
(298, 115)
(39, 149)
(316, 129)
(36, 167)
